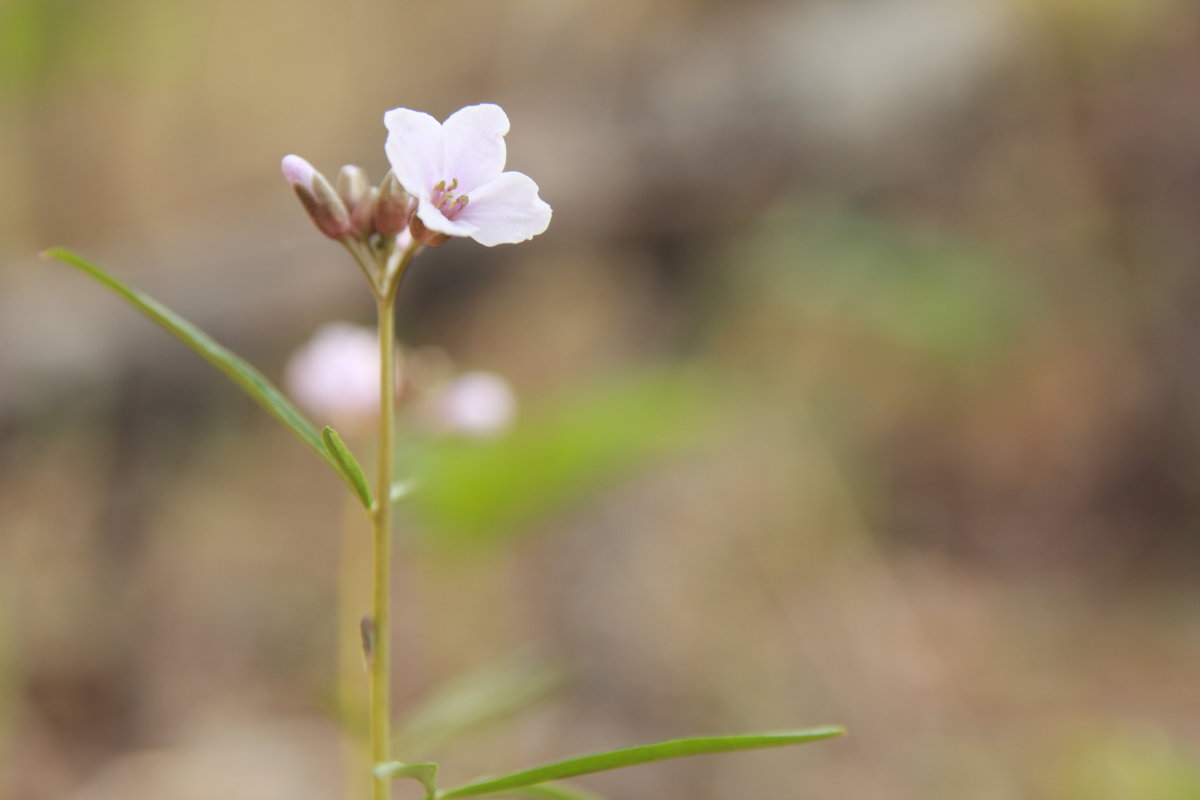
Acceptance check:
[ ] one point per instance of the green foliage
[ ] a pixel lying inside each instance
(471, 492)
(531, 783)
(1122, 765)
(348, 466)
(926, 293)
(43, 42)
(632, 756)
(548, 791)
(426, 772)
(252, 382)
(25, 28)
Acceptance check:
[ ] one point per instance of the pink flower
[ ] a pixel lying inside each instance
(456, 171)
(476, 405)
(335, 374)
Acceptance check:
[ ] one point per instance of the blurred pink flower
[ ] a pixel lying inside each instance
(475, 404)
(456, 171)
(335, 374)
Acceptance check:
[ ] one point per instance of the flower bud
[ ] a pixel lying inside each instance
(359, 197)
(352, 186)
(362, 215)
(321, 202)
(297, 170)
(393, 207)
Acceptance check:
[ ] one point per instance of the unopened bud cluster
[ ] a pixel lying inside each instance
(353, 209)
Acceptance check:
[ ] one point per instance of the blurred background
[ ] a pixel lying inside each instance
(858, 381)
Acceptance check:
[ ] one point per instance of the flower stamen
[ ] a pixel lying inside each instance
(444, 199)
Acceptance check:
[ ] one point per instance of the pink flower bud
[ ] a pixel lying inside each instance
(393, 207)
(359, 198)
(322, 203)
(362, 216)
(297, 171)
(352, 186)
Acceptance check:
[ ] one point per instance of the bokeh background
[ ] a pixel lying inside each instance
(859, 380)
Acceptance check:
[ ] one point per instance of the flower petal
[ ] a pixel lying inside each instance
(435, 220)
(506, 210)
(415, 149)
(475, 150)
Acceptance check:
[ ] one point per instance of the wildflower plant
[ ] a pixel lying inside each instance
(447, 180)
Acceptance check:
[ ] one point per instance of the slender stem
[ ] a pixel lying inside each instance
(381, 517)
(363, 257)
(381, 585)
(354, 586)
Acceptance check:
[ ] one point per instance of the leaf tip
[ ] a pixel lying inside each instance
(58, 254)
(826, 732)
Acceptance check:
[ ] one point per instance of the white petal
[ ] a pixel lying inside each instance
(435, 220)
(415, 149)
(506, 211)
(475, 151)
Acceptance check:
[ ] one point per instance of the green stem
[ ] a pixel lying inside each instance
(365, 260)
(381, 517)
(381, 591)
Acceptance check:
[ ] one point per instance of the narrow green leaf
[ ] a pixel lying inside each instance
(548, 791)
(628, 757)
(402, 489)
(253, 382)
(424, 771)
(348, 466)
(475, 494)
